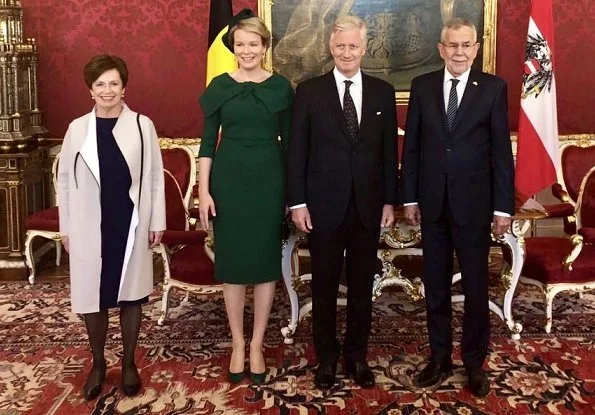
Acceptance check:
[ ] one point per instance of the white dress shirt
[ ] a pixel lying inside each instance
(446, 85)
(356, 92)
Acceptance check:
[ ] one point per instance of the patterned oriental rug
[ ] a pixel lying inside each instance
(44, 360)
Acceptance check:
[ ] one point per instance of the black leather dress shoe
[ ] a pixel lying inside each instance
(361, 373)
(433, 374)
(325, 375)
(478, 381)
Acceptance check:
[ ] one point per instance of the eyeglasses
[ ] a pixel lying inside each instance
(455, 46)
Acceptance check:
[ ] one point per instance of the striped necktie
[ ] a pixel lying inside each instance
(453, 104)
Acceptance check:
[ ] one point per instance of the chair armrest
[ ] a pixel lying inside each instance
(588, 234)
(559, 210)
(559, 193)
(184, 237)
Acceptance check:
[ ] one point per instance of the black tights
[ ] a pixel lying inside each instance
(97, 323)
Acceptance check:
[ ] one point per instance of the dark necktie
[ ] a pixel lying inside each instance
(453, 103)
(350, 113)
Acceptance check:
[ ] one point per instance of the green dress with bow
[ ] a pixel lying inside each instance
(247, 180)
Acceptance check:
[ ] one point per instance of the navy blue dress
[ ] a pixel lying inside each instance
(116, 213)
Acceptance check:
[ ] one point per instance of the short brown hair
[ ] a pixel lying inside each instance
(102, 63)
(253, 25)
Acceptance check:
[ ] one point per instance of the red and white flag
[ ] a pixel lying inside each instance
(537, 146)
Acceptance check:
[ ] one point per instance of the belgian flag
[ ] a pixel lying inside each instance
(219, 58)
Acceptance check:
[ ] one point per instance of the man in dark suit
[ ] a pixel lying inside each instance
(342, 187)
(458, 177)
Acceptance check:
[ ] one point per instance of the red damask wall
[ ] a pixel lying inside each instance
(164, 43)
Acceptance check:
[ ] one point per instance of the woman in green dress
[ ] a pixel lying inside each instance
(242, 183)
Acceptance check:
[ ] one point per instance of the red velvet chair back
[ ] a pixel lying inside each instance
(576, 162)
(587, 200)
(175, 212)
(179, 162)
(179, 171)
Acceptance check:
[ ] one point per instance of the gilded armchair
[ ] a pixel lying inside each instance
(576, 158)
(45, 224)
(565, 263)
(186, 263)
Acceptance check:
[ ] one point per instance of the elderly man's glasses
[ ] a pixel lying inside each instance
(455, 46)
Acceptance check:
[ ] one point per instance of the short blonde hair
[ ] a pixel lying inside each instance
(253, 25)
(350, 22)
(456, 24)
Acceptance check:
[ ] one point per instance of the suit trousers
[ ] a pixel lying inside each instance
(355, 246)
(471, 243)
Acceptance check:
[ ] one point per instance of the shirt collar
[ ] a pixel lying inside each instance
(340, 78)
(463, 78)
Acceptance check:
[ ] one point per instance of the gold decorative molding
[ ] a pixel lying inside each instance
(490, 11)
(167, 142)
(582, 140)
(265, 13)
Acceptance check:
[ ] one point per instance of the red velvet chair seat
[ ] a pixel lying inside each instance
(544, 261)
(183, 238)
(191, 265)
(44, 220)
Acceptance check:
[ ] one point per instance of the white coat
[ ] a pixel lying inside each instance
(79, 185)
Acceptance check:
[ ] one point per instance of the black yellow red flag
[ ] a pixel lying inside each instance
(219, 58)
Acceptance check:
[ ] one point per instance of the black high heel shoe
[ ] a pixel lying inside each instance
(92, 387)
(235, 377)
(258, 378)
(131, 388)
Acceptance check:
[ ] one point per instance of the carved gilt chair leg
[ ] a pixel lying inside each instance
(164, 303)
(29, 258)
(58, 253)
(549, 303)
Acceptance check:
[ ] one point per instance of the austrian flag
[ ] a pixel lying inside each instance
(537, 147)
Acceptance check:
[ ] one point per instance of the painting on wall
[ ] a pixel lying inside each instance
(402, 36)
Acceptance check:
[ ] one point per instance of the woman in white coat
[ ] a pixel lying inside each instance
(112, 212)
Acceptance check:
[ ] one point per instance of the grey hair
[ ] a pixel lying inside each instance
(456, 24)
(350, 22)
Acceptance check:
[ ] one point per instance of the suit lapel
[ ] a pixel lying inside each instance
(470, 90)
(367, 99)
(335, 102)
(438, 87)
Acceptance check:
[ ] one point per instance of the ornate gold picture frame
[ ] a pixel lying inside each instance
(402, 36)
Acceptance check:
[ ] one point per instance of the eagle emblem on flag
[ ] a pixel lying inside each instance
(538, 68)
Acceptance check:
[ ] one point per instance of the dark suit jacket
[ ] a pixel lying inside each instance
(325, 167)
(473, 163)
